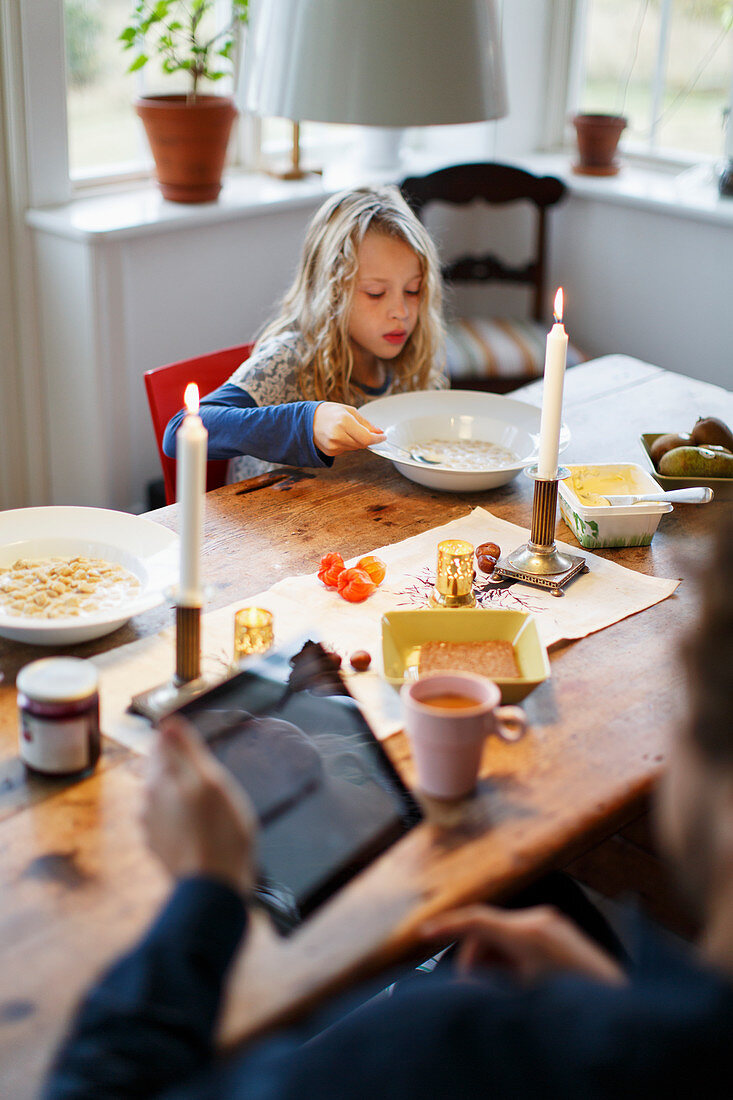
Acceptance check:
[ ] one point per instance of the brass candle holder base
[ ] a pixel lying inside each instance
(187, 682)
(539, 562)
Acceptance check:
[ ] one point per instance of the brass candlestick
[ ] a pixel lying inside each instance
(188, 644)
(187, 681)
(539, 561)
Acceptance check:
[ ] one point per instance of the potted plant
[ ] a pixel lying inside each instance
(188, 133)
(598, 137)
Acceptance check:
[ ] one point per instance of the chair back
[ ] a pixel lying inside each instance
(493, 184)
(165, 387)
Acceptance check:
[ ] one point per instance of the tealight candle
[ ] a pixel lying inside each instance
(555, 359)
(191, 440)
(253, 632)
(454, 575)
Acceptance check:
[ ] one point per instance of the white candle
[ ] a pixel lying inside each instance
(555, 359)
(190, 491)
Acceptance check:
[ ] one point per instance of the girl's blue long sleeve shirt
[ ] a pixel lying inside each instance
(238, 425)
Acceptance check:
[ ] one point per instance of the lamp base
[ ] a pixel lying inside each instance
(292, 169)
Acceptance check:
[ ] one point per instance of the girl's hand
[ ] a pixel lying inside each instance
(529, 942)
(340, 428)
(196, 817)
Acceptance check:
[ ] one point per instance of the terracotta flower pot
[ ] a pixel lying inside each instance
(598, 138)
(188, 142)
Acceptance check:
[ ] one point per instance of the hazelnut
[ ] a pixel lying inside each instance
(360, 660)
(486, 563)
(488, 550)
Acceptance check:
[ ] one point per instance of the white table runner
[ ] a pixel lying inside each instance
(605, 595)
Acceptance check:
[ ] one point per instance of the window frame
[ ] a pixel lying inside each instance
(641, 152)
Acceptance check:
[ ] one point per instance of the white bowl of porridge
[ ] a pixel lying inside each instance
(457, 440)
(68, 575)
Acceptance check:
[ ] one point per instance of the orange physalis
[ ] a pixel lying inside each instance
(332, 565)
(374, 566)
(355, 585)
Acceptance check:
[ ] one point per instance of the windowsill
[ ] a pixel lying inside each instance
(684, 193)
(141, 211)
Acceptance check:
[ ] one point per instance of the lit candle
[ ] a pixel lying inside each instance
(555, 358)
(190, 490)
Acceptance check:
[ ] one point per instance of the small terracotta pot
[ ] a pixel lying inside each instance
(598, 138)
(188, 142)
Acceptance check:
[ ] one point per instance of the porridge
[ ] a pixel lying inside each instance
(56, 588)
(465, 454)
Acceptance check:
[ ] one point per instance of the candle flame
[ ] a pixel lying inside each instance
(557, 308)
(191, 398)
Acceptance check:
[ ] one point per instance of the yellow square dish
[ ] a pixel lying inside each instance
(404, 632)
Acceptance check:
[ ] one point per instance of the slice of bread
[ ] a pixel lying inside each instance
(492, 658)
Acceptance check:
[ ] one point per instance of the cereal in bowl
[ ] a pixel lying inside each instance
(59, 588)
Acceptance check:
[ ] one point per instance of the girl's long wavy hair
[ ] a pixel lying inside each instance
(318, 304)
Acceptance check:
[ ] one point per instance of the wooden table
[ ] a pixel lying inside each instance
(76, 883)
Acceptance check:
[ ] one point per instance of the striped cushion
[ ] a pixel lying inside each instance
(498, 348)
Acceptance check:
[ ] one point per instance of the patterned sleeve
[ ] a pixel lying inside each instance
(271, 375)
(438, 378)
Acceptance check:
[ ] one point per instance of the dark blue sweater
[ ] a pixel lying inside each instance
(237, 426)
(146, 1030)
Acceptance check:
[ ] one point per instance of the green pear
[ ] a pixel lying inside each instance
(696, 462)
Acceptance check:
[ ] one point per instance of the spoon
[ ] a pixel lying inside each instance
(415, 457)
(674, 496)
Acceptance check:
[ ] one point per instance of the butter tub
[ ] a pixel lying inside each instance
(606, 526)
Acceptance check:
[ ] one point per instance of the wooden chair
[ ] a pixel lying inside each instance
(165, 387)
(496, 354)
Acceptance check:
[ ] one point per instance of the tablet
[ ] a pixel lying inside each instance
(326, 794)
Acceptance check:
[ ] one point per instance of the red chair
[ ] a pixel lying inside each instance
(165, 387)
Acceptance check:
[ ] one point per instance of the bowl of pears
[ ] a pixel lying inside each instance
(703, 456)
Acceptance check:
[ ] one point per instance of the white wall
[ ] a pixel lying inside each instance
(652, 285)
(189, 293)
(114, 307)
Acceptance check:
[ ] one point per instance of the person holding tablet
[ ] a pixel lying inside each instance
(547, 1011)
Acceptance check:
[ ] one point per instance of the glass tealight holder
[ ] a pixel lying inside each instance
(253, 632)
(454, 575)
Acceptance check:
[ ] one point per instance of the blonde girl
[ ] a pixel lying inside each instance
(362, 319)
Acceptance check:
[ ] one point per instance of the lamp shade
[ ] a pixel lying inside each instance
(376, 62)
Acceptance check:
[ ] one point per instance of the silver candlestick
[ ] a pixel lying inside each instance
(539, 561)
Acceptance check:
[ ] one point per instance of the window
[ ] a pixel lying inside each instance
(103, 130)
(664, 64)
(105, 136)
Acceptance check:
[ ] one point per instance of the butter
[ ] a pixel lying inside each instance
(591, 484)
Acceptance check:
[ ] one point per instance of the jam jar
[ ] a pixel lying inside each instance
(58, 711)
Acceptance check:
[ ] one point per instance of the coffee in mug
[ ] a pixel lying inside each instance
(450, 701)
(448, 716)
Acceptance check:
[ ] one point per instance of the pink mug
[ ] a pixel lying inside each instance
(448, 716)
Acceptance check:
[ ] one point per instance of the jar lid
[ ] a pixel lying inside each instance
(58, 679)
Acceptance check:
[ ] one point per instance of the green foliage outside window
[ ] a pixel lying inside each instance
(83, 28)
